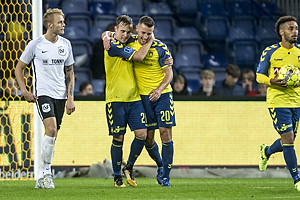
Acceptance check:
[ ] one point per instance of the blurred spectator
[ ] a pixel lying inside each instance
(262, 89)
(180, 85)
(86, 88)
(207, 80)
(97, 59)
(10, 86)
(248, 80)
(229, 86)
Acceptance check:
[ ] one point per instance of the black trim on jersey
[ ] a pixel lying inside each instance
(35, 77)
(38, 108)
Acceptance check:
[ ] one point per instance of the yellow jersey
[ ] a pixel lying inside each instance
(149, 72)
(120, 82)
(271, 60)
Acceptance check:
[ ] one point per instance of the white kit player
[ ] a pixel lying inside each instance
(52, 62)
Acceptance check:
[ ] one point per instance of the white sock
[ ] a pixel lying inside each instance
(48, 144)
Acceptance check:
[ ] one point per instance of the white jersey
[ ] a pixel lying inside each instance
(48, 61)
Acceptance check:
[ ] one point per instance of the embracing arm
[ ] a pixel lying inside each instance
(155, 94)
(70, 82)
(20, 79)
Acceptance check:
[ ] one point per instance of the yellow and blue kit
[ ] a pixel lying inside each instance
(272, 59)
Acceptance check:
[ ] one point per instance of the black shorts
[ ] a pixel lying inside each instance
(49, 107)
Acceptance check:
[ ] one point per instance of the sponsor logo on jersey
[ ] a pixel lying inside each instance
(57, 61)
(45, 62)
(46, 107)
(44, 51)
(62, 51)
(278, 59)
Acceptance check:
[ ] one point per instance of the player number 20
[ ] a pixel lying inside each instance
(165, 115)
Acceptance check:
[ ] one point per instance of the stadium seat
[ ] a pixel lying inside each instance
(216, 27)
(186, 34)
(190, 48)
(82, 52)
(75, 33)
(82, 74)
(130, 8)
(102, 7)
(104, 20)
(53, 3)
(216, 61)
(98, 86)
(163, 34)
(213, 8)
(75, 7)
(271, 7)
(95, 33)
(245, 22)
(267, 22)
(164, 22)
(80, 21)
(171, 46)
(193, 81)
(245, 54)
(240, 34)
(187, 62)
(239, 8)
(158, 9)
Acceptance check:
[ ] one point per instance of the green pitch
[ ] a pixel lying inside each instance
(94, 188)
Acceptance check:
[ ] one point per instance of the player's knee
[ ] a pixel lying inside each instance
(51, 131)
(149, 141)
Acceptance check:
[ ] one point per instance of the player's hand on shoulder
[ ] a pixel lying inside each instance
(106, 42)
(30, 97)
(169, 61)
(277, 81)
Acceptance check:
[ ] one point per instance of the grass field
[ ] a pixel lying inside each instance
(95, 188)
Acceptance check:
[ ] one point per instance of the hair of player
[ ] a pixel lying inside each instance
(124, 20)
(48, 16)
(148, 21)
(282, 20)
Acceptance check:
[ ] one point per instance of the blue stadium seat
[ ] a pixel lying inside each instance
(214, 8)
(163, 34)
(240, 34)
(267, 22)
(216, 27)
(164, 22)
(190, 48)
(271, 7)
(80, 21)
(266, 37)
(245, 54)
(81, 75)
(187, 62)
(98, 86)
(193, 81)
(95, 33)
(75, 33)
(239, 8)
(102, 7)
(104, 20)
(245, 22)
(53, 3)
(186, 34)
(158, 9)
(82, 52)
(130, 8)
(171, 46)
(75, 7)
(220, 76)
(215, 62)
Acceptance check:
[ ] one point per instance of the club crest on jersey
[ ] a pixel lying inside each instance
(276, 70)
(62, 51)
(46, 107)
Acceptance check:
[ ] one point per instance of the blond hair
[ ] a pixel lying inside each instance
(207, 73)
(48, 16)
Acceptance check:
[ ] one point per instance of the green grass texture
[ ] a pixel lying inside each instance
(183, 188)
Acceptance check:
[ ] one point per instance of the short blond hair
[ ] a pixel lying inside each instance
(48, 16)
(207, 73)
